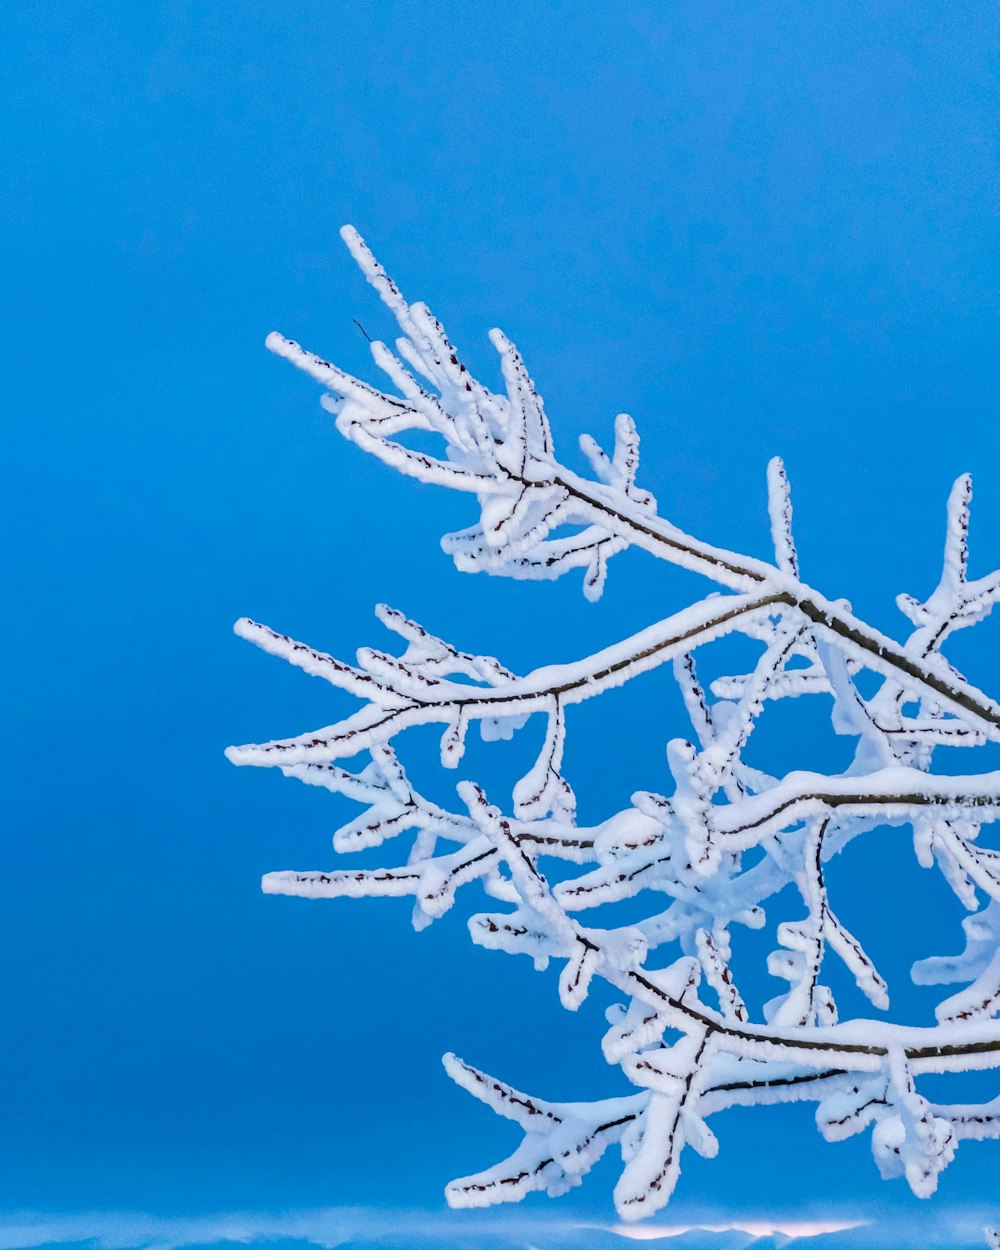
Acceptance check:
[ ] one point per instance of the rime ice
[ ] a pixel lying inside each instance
(682, 1035)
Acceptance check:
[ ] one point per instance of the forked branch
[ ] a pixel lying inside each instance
(724, 839)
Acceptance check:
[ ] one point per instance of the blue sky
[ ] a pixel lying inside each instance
(759, 228)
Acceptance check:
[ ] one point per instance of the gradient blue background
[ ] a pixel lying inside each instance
(760, 228)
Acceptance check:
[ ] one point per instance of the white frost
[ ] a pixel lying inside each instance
(705, 857)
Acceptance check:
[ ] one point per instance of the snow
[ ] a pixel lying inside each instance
(704, 858)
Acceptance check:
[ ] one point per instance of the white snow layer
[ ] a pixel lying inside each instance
(683, 1036)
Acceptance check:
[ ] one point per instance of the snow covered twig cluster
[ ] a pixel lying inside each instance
(707, 855)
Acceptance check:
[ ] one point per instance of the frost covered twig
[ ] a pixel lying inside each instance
(708, 855)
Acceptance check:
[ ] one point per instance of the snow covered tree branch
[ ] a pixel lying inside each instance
(707, 855)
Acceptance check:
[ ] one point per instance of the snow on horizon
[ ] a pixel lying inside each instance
(403, 1230)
